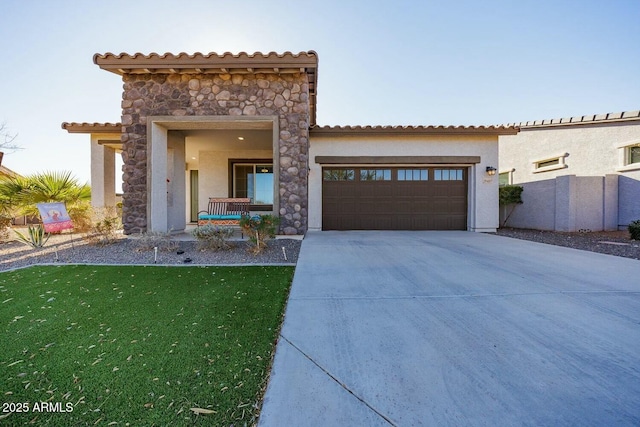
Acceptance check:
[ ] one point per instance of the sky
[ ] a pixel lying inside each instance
(403, 62)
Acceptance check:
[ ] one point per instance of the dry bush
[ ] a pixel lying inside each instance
(152, 239)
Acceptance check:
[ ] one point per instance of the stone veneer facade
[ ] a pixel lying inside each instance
(283, 95)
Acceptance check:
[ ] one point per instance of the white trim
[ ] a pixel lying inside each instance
(561, 163)
(629, 167)
(627, 144)
(510, 172)
(624, 164)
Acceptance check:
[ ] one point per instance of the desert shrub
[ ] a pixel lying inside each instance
(5, 223)
(634, 229)
(259, 229)
(152, 239)
(104, 230)
(81, 216)
(213, 237)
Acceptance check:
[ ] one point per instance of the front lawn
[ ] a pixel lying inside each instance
(125, 345)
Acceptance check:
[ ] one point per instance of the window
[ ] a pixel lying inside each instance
(413, 174)
(550, 163)
(375, 175)
(547, 163)
(448, 175)
(505, 177)
(338, 174)
(628, 156)
(254, 181)
(633, 155)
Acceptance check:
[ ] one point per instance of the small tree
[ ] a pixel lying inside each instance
(259, 229)
(510, 196)
(7, 139)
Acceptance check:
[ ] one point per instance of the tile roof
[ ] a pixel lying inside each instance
(386, 130)
(214, 63)
(334, 130)
(5, 171)
(582, 120)
(84, 127)
(205, 62)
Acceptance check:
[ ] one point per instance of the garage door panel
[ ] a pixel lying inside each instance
(390, 204)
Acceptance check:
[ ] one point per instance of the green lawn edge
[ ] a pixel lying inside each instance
(138, 345)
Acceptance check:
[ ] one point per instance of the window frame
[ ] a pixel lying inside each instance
(339, 174)
(624, 157)
(439, 176)
(250, 162)
(630, 156)
(561, 158)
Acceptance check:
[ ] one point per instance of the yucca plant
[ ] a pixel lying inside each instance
(36, 237)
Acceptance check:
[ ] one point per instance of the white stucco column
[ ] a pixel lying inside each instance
(103, 181)
(157, 210)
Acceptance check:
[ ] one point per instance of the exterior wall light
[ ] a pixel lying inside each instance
(491, 170)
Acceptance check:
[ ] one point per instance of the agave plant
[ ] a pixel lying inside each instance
(36, 237)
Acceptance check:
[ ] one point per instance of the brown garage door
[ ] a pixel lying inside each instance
(384, 198)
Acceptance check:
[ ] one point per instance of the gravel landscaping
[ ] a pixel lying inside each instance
(76, 249)
(616, 243)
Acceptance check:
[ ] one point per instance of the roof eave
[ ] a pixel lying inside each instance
(413, 130)
(592, 119)
(84, 127)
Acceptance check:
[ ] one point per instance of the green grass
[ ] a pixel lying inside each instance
(139, 345)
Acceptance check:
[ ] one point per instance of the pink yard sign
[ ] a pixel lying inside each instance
(54, 217)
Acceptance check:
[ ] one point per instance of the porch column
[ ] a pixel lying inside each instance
(157, 212)
(103, 179)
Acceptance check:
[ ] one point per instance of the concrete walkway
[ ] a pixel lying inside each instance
(456, 328)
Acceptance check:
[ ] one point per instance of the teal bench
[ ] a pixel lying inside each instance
(224, 211)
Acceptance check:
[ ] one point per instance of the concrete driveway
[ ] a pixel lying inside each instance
(456, 328)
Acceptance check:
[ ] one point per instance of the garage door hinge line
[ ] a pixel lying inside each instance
(341, 384)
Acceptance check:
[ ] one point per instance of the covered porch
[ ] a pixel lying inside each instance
(191, 159)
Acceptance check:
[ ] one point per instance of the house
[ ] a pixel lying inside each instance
(578, 173)
(223, 125)
(6, 172)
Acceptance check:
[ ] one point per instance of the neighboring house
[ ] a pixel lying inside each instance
(578, 173)
(210, 125)
(6, 172)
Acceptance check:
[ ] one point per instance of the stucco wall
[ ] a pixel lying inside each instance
(483, 189)
(628, 198)
(566, 203)
(592, 151)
